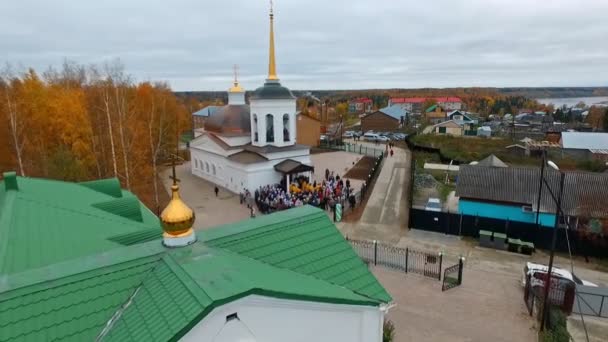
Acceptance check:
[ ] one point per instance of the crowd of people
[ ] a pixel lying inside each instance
(325, 194)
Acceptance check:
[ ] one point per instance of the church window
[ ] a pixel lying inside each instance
(213, 168)
(269, 128)
(285, 127)
(255, 127)
(207, 167)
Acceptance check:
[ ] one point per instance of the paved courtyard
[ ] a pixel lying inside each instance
(198, 193)
(339, 162)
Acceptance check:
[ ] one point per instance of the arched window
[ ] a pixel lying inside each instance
(207, 167)
(285, 127)
(255, 127)
(213, 169)
(269, 128)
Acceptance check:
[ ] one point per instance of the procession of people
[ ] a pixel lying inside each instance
(325, 194)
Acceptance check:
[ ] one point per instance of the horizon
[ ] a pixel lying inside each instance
(352, 45)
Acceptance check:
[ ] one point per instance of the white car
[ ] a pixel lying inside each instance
(383, 138)
(433, 204)
(347, 134)
(538, 272)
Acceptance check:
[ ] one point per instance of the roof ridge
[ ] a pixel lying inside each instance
(298, 273)
(74, 267)
(110, 217)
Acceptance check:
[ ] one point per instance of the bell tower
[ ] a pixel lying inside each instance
(273, 107)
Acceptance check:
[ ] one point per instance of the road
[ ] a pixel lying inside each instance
(386, 215)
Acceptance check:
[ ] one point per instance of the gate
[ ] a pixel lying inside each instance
(452, 276)
(401, 259)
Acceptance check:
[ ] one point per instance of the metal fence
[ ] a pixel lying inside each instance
(561, 295)
(360, 195)
(591, 301)
(354, 148)
(402, 259)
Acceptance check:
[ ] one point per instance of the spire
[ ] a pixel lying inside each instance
(272, 68)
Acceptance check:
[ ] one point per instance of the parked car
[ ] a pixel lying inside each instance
(382, 138)
(358, 133)
(348, 134)
(371, 136)
(433, 204)
(323, 137)
(538, 274)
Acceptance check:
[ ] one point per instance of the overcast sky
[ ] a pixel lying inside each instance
(320, 44)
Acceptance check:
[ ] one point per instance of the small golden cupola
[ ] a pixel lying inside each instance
(177, 219)
(236, 93)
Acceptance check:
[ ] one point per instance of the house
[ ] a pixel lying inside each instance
(518, 150)
(99, 266)
(462, 116)
(386, 119)
(414, 104)
(200, 116)
(308, 130)
(435, 114)
(511, 193)
(450, 127)
(484, 131)
(585, 145)
(361, 105)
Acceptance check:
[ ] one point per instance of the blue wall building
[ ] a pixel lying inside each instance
(503, 212)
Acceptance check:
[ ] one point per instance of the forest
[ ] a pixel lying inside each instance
(79, 123)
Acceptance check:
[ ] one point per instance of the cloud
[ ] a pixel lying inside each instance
(320, 44)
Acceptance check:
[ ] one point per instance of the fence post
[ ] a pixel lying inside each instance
(360, 148)
(407, 252)
(460, 260)
(440, 262)
(375, 252)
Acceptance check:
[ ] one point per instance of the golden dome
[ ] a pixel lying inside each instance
(236, 88)
(177, 218)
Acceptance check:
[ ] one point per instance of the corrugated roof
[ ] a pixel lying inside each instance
(207, 111)
(585, 140)
(585, 193)
(146, 292)
(492, 161)
(396, 112)
(37, 229)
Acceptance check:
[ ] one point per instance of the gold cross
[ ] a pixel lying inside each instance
(174, 176)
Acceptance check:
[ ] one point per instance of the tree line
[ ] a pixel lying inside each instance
(80, 123)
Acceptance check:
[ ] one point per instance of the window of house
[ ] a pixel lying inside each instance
(255, 127)
(269, 128)
(286, 127)
(442, 130)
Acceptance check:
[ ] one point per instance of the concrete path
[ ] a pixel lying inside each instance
(386, 213)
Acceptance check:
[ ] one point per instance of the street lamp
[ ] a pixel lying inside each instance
(558, 207)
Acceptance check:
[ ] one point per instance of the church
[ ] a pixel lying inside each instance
(247, 146)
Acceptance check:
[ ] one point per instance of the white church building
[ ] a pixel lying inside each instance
(248, 146)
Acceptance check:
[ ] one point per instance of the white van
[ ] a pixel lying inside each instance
(371, 137)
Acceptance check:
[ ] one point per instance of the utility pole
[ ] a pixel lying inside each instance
(540, 186)
(553, 240)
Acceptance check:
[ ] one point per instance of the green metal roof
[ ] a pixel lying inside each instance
(46, 221)
(111, 284)
(431, 108)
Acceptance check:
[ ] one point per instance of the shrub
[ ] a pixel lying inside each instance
(388, 334)
(556, 327)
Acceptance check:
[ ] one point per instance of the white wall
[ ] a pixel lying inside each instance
(266, 319)
(277, 108)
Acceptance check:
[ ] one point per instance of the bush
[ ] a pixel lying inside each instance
(556, 327)
(388, 334)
